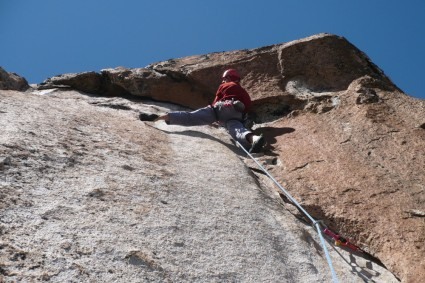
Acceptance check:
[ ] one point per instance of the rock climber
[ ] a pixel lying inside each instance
(229, 108)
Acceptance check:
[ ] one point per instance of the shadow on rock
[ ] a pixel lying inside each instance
(202, 135)
(270, 133)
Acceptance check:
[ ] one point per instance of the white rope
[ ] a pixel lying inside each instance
(313, 221)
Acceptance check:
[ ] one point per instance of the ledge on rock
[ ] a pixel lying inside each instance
(295, 73)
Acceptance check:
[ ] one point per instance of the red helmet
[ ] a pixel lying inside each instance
(231, 75)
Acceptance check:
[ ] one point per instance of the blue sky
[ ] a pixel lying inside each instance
(41, 39)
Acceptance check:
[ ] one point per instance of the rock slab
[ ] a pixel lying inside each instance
(91, 193)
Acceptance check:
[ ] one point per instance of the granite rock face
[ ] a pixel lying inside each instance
(89, 193)
(341, 137)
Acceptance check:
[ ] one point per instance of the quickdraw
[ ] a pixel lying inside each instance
(341, 241)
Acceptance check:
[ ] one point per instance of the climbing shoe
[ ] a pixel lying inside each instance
(148, 117)
(257, 144)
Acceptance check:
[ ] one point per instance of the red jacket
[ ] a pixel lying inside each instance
(230, 90)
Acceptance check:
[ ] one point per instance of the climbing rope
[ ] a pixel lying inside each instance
(315, 223)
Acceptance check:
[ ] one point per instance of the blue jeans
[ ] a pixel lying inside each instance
(207, 116)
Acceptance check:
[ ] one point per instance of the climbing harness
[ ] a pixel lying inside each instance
(315, 223)
(228, 110)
